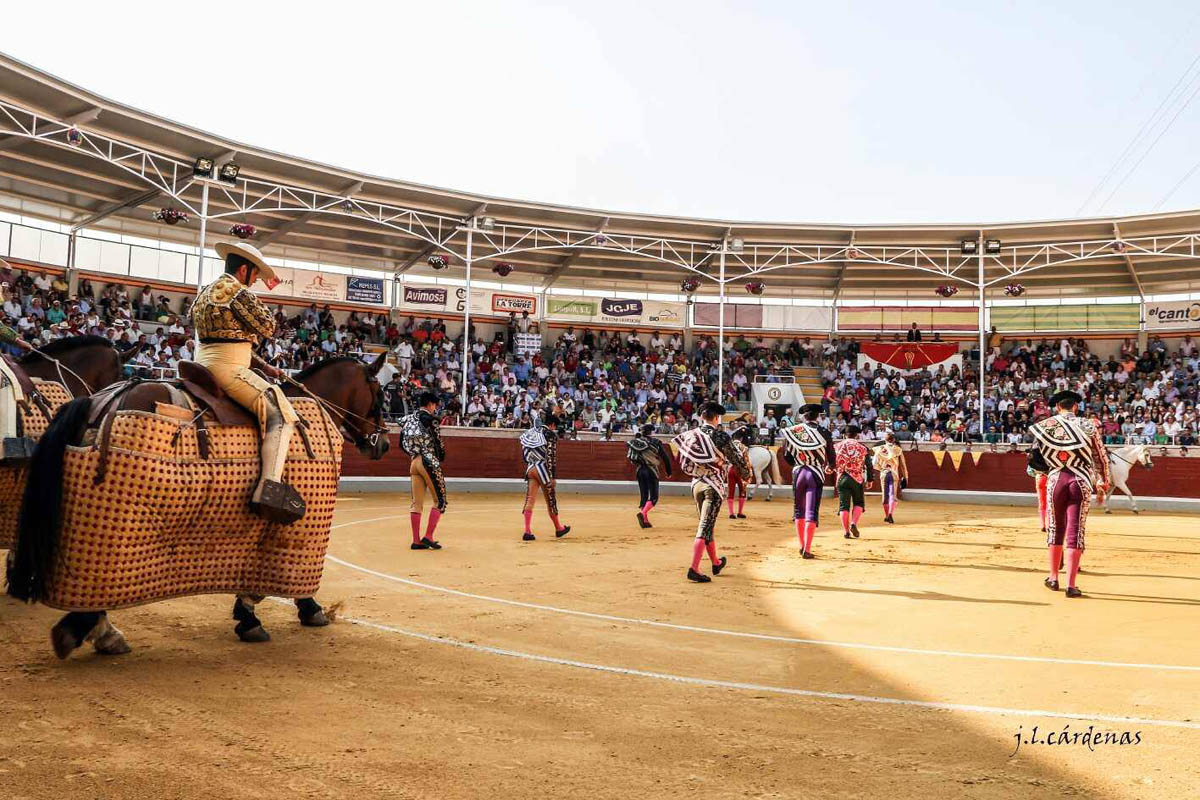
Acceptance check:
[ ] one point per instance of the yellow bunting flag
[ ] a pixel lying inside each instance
(976, 455)
(939, 456)
(956, 457)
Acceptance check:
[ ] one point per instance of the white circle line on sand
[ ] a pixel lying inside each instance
(784, 690)
(739, 634)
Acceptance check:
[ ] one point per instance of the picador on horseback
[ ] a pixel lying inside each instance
(150, 490)
(229, 320)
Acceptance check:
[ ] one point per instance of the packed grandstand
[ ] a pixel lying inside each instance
(612, 381)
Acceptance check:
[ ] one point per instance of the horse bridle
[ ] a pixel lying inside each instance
(374, 416)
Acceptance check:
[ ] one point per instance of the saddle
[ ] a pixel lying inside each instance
(197, 381)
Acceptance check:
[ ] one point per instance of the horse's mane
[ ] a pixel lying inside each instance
(60, 346)
(320, 365)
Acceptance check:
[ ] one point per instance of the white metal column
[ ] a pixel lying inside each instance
(720, 396)
(203, 236)
(982, 343)
(467, 323)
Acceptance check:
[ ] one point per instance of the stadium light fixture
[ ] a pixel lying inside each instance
(487, 223)
(228, 172)
(737, 245)
(969, 247)
(203, 168)
(992, 247)
(1118, 247)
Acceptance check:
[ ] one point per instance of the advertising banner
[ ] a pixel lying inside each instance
(511, 303)
(656, 314)
(431, 298)
(580, 308)
(616, 311)
(320, 286)
(1092, 317)
(364, 290)
(1177, 315)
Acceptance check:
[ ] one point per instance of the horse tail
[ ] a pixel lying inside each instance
(40, 519)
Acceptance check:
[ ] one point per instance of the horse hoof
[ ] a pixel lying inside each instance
(766, 500)
(253, 635)
(112, 644)
(317, 620)
(1135, 511)
(63, 641)
(1108, 511)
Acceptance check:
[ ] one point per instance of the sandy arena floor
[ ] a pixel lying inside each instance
(472, 672)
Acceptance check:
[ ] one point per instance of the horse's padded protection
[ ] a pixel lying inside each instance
(33, 422)
(166, 523)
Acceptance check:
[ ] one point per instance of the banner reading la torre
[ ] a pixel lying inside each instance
(908, 357)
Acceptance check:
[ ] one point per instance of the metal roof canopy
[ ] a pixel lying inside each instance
(129, 163)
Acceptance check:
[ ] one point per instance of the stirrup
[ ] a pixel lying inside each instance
(18, 449)
(278, 502)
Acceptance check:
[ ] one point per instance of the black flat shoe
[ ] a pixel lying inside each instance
(526, 537)
(854, 530)
(431, 544)
(807, 554)
(642, 521)
(418, 545)
(1051, 585)
(741, 516)
(1073, 591)
(846, 535)
(888, 519)
(720, 565)
(733, 516)
(563, 532)
(697, 577)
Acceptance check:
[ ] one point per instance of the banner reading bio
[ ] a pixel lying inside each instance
(1177, 315)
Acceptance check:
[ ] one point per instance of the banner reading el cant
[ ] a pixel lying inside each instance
(1177, 315)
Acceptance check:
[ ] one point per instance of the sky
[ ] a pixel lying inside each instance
(853, 112)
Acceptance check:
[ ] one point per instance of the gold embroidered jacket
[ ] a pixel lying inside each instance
(227, 310)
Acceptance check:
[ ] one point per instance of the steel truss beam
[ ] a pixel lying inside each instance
(172, 177)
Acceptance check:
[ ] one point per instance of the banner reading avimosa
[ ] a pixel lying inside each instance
(1178, 315)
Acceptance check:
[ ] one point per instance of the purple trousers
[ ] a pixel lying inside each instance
(807, 486)
(1066, 518)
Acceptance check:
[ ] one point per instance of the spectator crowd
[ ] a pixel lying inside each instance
(612, 381)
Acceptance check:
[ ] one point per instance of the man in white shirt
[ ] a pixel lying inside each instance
(404, 356)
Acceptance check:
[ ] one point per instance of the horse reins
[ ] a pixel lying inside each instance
(371, 439)
(60, 366)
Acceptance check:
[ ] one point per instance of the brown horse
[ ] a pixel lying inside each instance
(345, 386)
(84, 364)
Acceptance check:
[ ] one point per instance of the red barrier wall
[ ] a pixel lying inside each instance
(496, 457)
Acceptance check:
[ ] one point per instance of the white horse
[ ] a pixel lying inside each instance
(764, 468)
(1120, 462)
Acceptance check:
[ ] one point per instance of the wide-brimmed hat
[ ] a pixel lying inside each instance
(251, 254)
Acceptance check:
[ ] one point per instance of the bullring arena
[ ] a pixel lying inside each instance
(922, 658)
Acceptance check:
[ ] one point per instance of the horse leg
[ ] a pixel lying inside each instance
(1132, 501)
(310, 612)
(72, 630)
(249, 627)
(107, 638)
(1107, 493)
